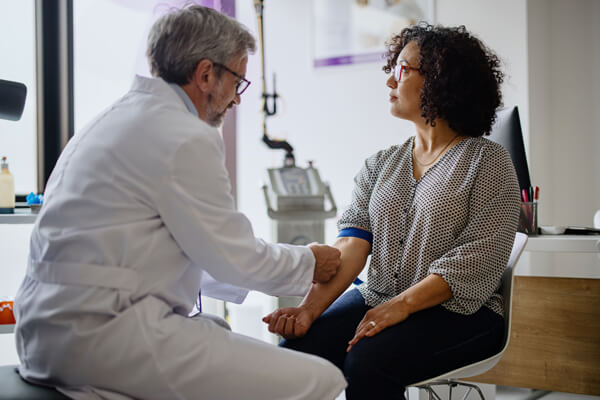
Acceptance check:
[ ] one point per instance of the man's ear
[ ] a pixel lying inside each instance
(204, 76)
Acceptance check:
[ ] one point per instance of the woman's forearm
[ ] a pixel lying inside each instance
(429, 292)
(354, 256)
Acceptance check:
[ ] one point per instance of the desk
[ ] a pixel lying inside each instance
(7, 328)
(555, 336)
(564, 244)
(22, 216)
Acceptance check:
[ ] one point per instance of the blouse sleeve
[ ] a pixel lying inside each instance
(473, 267)
(357, 214)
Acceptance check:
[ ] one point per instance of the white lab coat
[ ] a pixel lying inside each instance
(137, 209)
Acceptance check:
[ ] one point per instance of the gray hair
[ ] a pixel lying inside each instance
(178, 41)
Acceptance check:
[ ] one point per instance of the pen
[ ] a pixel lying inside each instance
(536, 193)
(525, 196)
(530, 193)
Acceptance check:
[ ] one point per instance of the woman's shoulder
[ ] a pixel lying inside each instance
(391, 152)
(485, 149)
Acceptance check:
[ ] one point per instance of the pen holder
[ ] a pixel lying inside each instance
(528, 219)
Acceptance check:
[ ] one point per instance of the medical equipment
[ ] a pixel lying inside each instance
(299, 194)
(299, 217)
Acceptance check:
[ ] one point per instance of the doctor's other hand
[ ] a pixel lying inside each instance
(290, 322)
(327, 262)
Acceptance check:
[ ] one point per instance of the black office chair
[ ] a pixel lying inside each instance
(13, 387)
(12, 99)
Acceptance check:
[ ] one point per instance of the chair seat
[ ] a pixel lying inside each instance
(13, 387)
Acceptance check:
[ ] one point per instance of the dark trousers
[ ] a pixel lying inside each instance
(427, 344)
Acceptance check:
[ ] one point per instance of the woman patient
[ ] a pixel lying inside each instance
(438, 214)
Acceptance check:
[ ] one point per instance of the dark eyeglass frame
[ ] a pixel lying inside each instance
(399, 69)
(242, 84)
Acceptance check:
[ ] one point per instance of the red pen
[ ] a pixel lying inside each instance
(536, 193)
(525, 195)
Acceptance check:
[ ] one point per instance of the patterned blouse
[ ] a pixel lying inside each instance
(457, 221)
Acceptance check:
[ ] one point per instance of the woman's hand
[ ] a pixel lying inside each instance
(378, 318)
(291, 322)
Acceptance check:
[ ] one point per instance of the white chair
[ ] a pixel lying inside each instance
(450, 379)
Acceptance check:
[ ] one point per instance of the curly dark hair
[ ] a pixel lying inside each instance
(462, 76)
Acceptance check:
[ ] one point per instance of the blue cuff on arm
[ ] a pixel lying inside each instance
(359, 233)
(356, 232)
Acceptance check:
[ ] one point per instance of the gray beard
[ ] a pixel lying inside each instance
(215, 117)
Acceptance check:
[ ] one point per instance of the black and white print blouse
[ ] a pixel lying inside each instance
(457, 221)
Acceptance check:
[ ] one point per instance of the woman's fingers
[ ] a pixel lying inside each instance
(367, 327)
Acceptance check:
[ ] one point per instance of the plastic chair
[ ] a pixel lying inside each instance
(450, 379)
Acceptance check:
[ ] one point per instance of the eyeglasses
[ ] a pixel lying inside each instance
(400, 68)
(242, 84)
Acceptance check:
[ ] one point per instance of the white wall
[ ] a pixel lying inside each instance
(336, 116)
(502, 26)
(18, 141)
(564, 58)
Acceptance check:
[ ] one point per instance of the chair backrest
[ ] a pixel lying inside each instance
(507, 284)
(507, 292)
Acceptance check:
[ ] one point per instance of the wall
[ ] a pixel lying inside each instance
(488, 20)
(564, 39)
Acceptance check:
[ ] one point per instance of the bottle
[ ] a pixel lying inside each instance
(7, 189)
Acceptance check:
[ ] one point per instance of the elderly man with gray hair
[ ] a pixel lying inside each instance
(138, 216)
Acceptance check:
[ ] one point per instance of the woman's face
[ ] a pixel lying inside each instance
(405, 96)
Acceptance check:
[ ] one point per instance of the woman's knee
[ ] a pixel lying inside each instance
(360, 364)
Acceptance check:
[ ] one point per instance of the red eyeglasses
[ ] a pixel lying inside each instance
(400, 68)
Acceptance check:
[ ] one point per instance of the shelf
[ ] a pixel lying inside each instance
(21, 216)
(7, 328)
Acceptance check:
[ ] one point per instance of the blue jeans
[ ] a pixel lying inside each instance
(428, 343)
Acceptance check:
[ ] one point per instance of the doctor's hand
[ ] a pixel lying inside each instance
(327, 262)
(290, 323)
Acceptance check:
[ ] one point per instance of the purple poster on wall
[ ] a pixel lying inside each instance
(355, 31)
(225, 6)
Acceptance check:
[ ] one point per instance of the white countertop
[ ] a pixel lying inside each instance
(7, 328)
(561, 256)
(21, 216)
(564, 244)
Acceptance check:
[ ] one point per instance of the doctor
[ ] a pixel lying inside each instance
(138, 212)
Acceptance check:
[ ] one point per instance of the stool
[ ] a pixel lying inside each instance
(13, 387)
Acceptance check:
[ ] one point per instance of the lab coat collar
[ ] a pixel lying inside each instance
(158, 87)
(186, 99)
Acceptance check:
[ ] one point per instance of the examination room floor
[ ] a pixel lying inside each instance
(508, 393)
